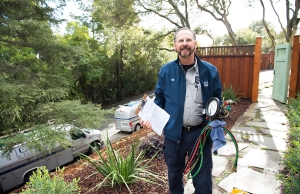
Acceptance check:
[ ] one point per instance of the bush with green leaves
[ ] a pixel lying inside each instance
(41, 183)
(294, 111)
(152, 146)
(290, 175)
(122, 170)
(229, 94)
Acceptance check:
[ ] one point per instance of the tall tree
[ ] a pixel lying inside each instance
(266, 25)
(182, 13)
(131, 50)
(36, 76)
(219, 10)
(259, 28)
(291, 16)
(32, 62)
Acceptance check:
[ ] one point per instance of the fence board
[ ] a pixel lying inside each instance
(235, 65)
(267, 61)
(295, 69)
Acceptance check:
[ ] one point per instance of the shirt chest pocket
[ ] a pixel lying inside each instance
(196, 93)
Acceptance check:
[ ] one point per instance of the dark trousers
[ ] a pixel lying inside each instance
(175, 158)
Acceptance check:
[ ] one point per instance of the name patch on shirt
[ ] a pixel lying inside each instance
(197, 81)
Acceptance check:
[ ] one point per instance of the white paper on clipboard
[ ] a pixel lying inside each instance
(157, 116)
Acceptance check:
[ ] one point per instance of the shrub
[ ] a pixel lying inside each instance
(290, 175)
(229, 94)
(119, 170)
(41, 183)
(294, 112)
(152, 146)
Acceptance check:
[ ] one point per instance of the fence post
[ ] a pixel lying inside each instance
(294, 67)
(256, 69)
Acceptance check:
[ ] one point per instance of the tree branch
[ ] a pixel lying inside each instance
(266, 26)
(278, 18)
(166, 49)
(157, 13)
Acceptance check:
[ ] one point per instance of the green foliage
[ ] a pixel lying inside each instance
(290, 176)
(119, 170)
(74, 112)
(117, 13)
(41, 183)
(246, 36)
(229, 94)
(34, 64)
(294, 111)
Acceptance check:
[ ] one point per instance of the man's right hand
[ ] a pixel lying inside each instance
(146, 124)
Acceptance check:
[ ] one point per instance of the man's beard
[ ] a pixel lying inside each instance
(185, 54)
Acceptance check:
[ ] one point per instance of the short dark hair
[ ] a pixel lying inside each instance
(184, 28)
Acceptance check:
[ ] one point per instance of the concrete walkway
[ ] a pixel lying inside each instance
(261, 133)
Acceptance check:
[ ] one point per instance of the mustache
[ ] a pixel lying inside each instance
(185, 47)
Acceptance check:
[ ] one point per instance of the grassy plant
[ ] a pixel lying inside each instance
(119, 170)
(229, 94)
(41, 183)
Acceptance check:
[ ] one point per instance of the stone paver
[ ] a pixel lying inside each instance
(189, 188)
(272, 143)
(249, 130)
(229, 148)
(274, 126)
(250, 181)
(250, 114)
(280, 134)
(261, 159)
(251, 110)
(219, 165)
(273, 108)
(272, 118)
(241, 120)
(237, 136)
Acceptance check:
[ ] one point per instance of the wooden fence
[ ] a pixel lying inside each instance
(238, 66)
(294, 87)
(267, 61)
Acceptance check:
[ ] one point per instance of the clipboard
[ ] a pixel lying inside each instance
(142, 103)
(148, 110)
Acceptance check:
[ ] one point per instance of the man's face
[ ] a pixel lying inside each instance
(185, 44)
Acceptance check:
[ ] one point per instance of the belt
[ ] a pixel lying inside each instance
(192, 128)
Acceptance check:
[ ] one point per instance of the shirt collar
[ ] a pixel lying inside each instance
(195, 65)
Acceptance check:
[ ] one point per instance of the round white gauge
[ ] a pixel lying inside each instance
(212, 108)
